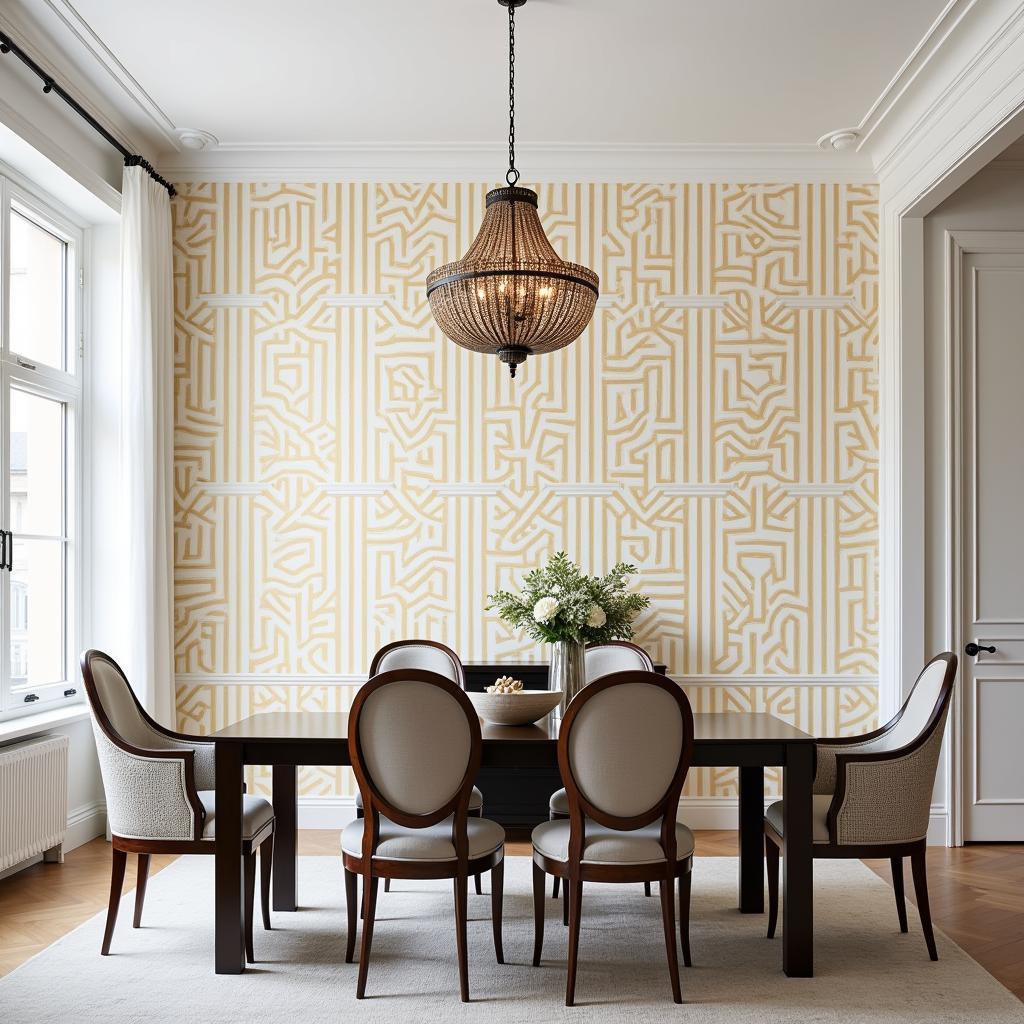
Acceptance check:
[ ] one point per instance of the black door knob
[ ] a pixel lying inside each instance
(972, 650)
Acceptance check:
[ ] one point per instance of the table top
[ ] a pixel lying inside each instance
(318, 726)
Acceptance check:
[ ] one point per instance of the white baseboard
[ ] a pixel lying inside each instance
(704, 813)
(329, 812)
(937, 825)
(85, 823)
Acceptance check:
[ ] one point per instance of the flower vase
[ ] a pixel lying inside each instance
(567, 672)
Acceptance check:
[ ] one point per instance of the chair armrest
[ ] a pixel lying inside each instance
(151, 793)
(884, 796)
(827, 751)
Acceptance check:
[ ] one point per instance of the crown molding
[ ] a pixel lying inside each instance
(28, 38)
(466, 161)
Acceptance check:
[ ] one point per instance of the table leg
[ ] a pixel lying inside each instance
(286, 823)
(751, 839)
(797, 863)
(228, 928)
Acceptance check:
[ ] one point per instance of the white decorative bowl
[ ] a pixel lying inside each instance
(523, 708)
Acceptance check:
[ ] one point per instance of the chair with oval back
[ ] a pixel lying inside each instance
(430, 656)
(160, 795)
(600, 660)
(624, 748)
(873, 793)
(415, 746)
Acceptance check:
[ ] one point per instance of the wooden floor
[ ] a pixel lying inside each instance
(977, 897)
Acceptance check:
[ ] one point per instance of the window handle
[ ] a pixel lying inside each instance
(31, 698)
(3, 549)
(10, 552)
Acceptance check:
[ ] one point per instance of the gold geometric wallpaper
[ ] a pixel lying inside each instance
(344, 476)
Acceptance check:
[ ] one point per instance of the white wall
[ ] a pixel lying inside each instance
(993, 200)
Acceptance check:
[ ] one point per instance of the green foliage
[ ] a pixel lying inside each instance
(579, 600)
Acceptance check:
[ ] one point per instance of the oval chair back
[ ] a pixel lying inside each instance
(615, 656)
(427, 655)
(414, 742)
(624, 748)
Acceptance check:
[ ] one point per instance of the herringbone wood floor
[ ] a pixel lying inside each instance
(977, 897)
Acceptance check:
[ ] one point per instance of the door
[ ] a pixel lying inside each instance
(992, 543)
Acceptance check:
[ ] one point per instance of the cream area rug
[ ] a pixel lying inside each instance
(866, 971)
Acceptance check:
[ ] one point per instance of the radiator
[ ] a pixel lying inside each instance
(33, 799)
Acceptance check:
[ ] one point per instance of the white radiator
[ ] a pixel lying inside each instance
(33, 799)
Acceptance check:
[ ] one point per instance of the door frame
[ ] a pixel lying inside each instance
(959, 245)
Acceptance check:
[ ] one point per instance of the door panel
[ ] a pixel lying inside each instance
(993, 570)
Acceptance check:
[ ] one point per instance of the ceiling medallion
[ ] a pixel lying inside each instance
(511, 295)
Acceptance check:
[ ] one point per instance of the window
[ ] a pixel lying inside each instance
(40, 426)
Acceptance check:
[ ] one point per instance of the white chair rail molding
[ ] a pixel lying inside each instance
(509, 509)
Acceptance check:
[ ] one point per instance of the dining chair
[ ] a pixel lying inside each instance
(415, 746)
(430, 656)
(599, 660)
(873, 793)
(624, 748)
(160, 795)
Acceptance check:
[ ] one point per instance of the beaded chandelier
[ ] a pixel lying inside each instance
(511, 295)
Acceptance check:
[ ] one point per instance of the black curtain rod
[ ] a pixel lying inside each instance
(7, 45)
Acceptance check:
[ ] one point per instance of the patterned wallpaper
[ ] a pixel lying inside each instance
(345, 476)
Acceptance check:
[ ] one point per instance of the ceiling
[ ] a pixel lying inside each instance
(318, 72)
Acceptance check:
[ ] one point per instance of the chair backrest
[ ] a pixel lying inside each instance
(615, 656)
(427, 655)
(624, 748)
(414, 741)
(925, 708)
(113, 702)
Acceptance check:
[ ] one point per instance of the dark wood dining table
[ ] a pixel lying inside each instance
(748, 741)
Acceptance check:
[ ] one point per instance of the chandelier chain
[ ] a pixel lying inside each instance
(512, 175)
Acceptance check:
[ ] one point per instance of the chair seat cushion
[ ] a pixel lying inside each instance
(819, 816)
(559, 802)
(607, 846)
(256, 812)
(476, 800)
(433, 843)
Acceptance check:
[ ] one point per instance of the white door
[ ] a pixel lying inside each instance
(992, 542)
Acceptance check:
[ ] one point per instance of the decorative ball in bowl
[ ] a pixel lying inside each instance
(507, 703)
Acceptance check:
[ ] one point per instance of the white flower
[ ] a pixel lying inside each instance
(596, 617)
(546, 608)
(555, 588)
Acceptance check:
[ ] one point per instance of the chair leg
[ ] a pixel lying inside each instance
(369, 912)
(120, 859)
(919, 867)
(249, 872)
(461, 942)
(266, 867)
(538, 912)
(554, 887)
(478, 884)
(684, 916)
(668, 920)
(351, 896)
(387, 885)
(647, 888)
(497, 892)
(140, 888)
(574, 887)
(565, 904)
(771, 863)
(897, 886)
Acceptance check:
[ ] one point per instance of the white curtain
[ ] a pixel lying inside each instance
(147, 442)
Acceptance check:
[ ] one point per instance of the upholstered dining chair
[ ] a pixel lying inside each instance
(415, 745)
(430, 656)
(600, 660)
(624, 748)
(873, 792)
(160, 794)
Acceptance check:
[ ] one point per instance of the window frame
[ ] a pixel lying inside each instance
(66, 386)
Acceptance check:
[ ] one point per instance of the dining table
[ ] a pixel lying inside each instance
(749, 742)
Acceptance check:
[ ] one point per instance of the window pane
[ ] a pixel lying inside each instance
(37, 292)
(36, 464)
(37, 612)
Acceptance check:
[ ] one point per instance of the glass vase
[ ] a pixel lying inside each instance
(566, 672)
